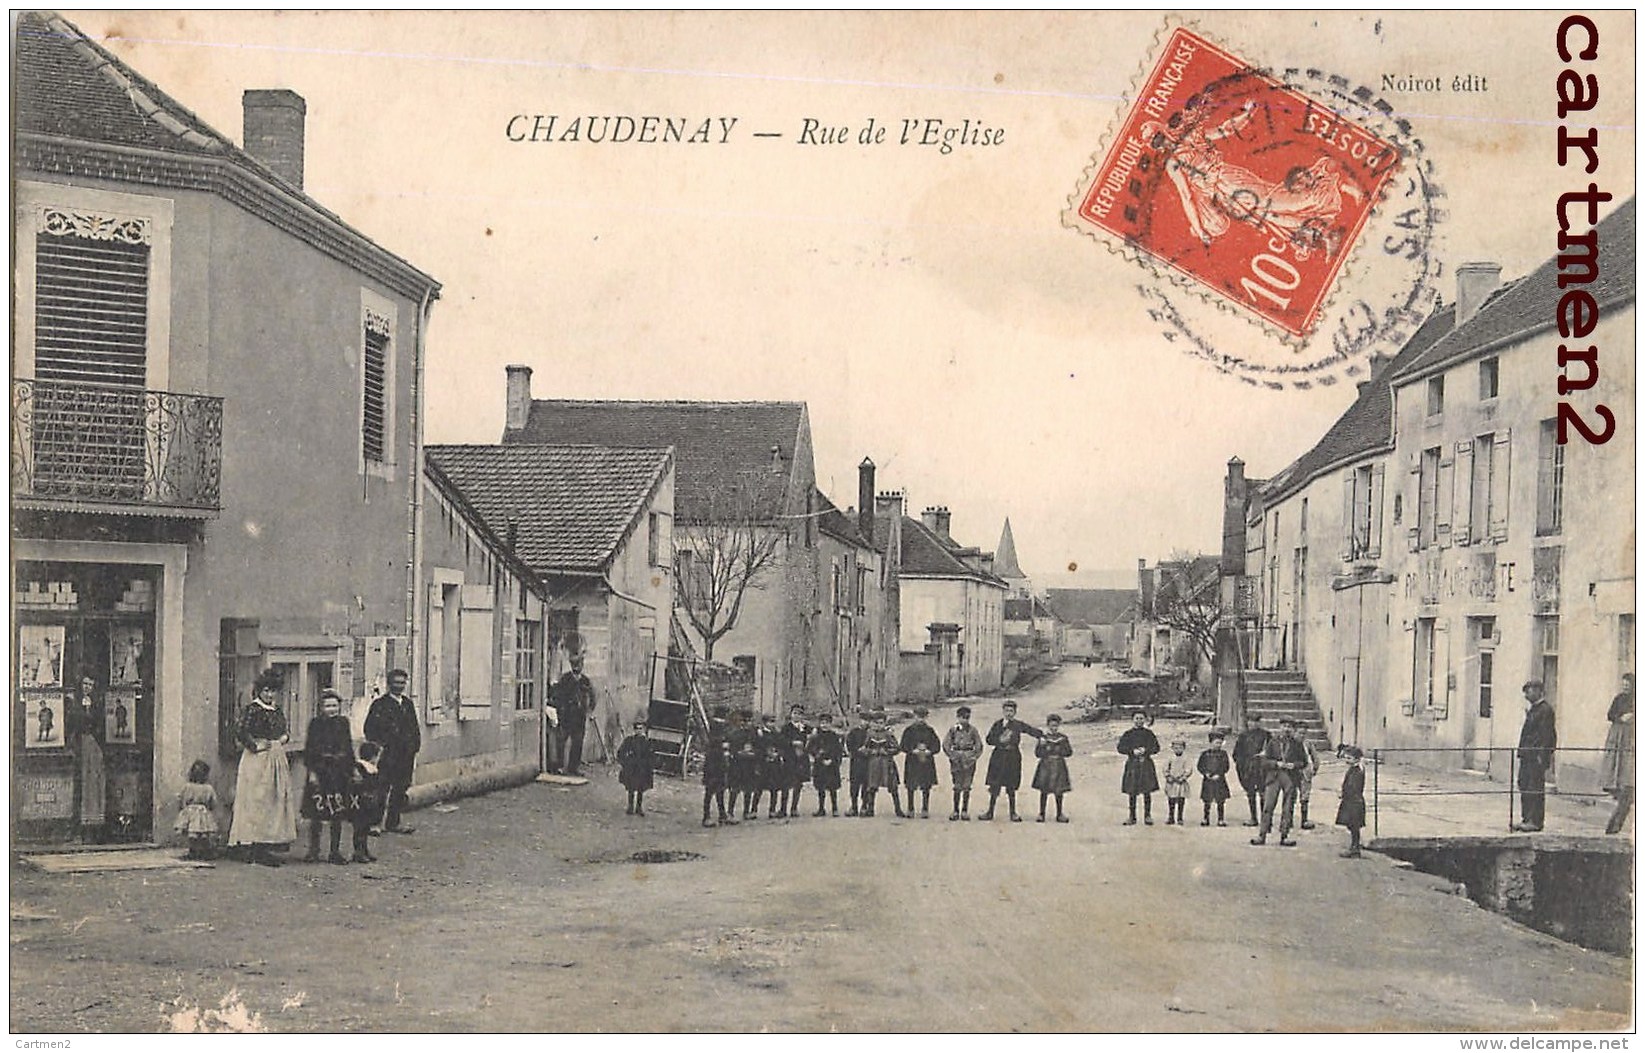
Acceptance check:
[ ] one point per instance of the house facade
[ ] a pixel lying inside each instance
(952, 605)
(1440, 546)
(744, 479)
(593, 525)
(1096, 622)
(216, 454)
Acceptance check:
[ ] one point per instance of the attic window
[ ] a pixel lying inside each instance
(1488, 378)
(1436, 396)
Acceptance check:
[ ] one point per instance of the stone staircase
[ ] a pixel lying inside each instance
(1278, 694)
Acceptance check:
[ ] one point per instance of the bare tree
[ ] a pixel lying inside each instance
(1188, 599)
(736, 531)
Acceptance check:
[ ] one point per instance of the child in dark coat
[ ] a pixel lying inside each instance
(717, 767)
(1351, 812)
(826, 751)
(745, 762)
(1051, 774)
(773, 768)
(881, 746)
(1213, 788)
(920, 747)
(328, 754)
(854, 742)
(1140, 780)
(634, 768)
(796, 761)
(366, 796)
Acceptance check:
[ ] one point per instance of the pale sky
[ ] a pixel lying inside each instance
(931, 309)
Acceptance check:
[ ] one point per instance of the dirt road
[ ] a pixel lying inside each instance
(522, 910)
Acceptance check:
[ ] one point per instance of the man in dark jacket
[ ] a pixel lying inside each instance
(1248, 761)
(1282, 762)
(1537, 740)
(573, 697)
(393, 723)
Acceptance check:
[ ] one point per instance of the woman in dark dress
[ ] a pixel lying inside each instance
(1619, 754)
(1140, 780)
(328, 753)
(263, 812)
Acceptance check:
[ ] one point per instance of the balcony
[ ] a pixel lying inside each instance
(94, 448)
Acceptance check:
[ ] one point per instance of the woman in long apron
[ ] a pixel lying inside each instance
(263, 813)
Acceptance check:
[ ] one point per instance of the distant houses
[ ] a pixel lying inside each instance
(1096, 623)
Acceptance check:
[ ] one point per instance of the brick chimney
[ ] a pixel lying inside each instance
(891, 503)
(273, 130)
(517, 403)
(1235, 491)
(865, 500)
(936, 520)
(1475, 284)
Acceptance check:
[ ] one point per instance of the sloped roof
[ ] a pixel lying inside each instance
(838, 525)
(570, 506)
(1090, 606)
(925, 554)
(70, 89)
(1528, 305)
(1005, 557)
(714, 442)
(1367, 424)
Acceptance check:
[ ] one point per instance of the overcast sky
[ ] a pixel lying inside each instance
(930, 309)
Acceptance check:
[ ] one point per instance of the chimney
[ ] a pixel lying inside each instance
(1475, 284)
(865, 499)
(517, 404)
(273, 130)
(936, 520)
(988, 562)
(891, 504)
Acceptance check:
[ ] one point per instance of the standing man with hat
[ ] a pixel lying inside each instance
(1537, 740)
(393, 723)
(573, 698)
(1282, 762)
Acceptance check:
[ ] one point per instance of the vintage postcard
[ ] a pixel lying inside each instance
(820, 522)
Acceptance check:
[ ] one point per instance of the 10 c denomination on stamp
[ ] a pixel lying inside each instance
(1244, 185)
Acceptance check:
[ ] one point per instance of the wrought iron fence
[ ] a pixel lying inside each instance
(1509, 789)
(88, 443)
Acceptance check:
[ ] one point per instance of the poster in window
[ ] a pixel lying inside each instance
(126, 646)
(40, 656)
(120, 716)
(43, 720)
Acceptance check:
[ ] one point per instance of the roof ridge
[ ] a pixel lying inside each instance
(546, 446)
(674, 402)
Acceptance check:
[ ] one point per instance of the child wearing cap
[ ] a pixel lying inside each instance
(1176, 775)
(745, 762)
(963, 744)
(881, 747)
(1051, 774)
(855, 740)
(634, 767)
(796, 761)
(1005, 763)
(717, 766)
(826, 751)
(919, 772)
(1351, 812)
(1213, 765)
(773, 768)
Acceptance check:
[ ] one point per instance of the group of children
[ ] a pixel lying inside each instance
(342, 785)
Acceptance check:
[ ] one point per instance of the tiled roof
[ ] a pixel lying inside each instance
(570, 506)
(713, 441)
(1367, 424)
(1090, 606)
(838, 525)
(1528, 305)
(924, 554)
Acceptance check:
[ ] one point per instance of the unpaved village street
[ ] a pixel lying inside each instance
(522, 911)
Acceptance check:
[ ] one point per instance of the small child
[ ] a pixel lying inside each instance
(1051, 774)
(963, 744)
(634, 767)
(1176, 776)
(366, 789)
(1139, 745)
(1213, 788)
(881, 747)
(717, 766)
(796, 761)
(745, 762)
(196, 815)
(858, 763)
(1351, 812)
(1305, 781)
(773, 769)
(825, 750)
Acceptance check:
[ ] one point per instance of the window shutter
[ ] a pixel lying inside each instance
(434, 691)
(1462, 516)
(1413, 509)
(476, 645)
(1348, 517)
(1501, 455)
(1443, 499)
(1545, 479)
(1377, 474)
(505, 634)
(1441, 704)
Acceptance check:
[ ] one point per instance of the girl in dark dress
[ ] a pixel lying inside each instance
(826, 751)
(1005, 763)
(634, 768)
(328, 753)
(1051, 774)
(920, 747)
(1351, 812)
(1213, 788)
(1140, 780)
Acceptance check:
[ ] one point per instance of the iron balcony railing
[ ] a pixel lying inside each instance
(86, 446)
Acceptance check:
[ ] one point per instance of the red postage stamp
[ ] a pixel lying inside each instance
(1238, 182)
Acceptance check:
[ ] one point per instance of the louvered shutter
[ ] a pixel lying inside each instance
(1413, 509)
(1501, 456)
(1378, 472)
(1443, 498)
(1462, 514)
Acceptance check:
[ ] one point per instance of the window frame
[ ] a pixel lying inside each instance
(1490, 378)
(1434, 406)
(378, 315)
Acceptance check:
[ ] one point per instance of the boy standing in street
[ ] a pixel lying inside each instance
(920, 747)
(1248, 761)
(855, 740)
(963, 744)
(1005, 763)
